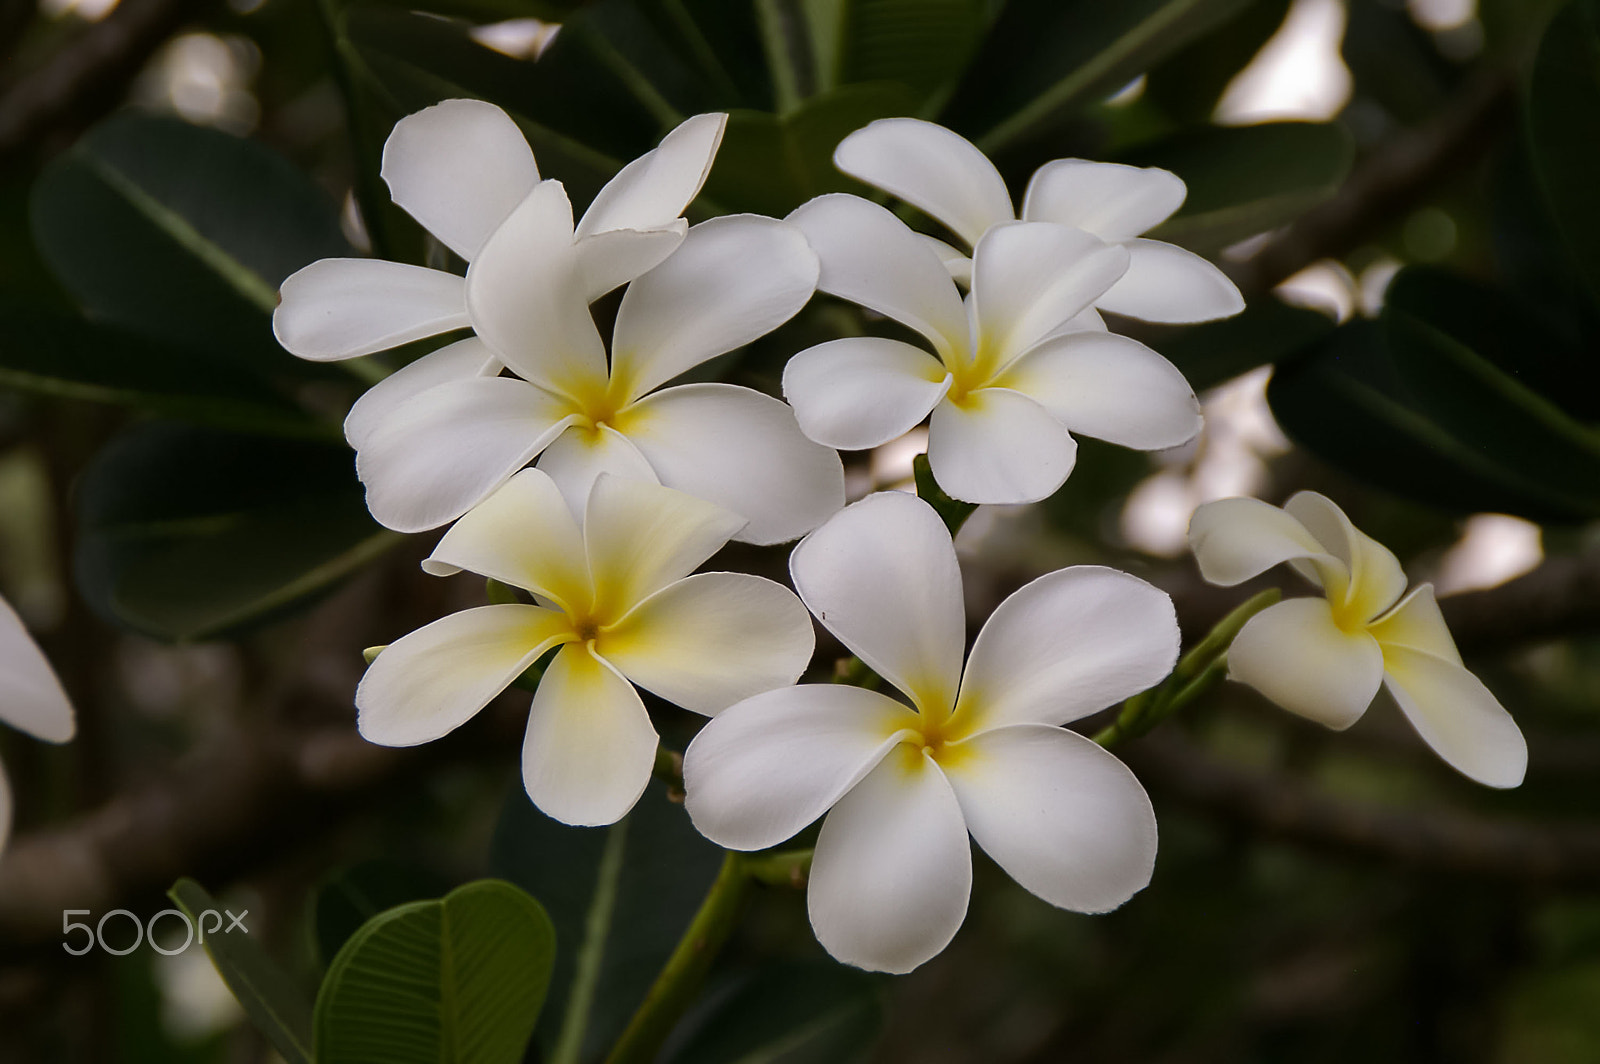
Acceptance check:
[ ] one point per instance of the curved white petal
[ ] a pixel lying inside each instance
(998, 446)
(711, 639)
(1107, 386)
(931, 168)
(522, 535)
(459, 167)
(439, 453)
(655, 188)
(590, 746)
(580, 454)
(743, 451)
(5, 808)
(341, 308)
(1168, 284)
(766, 767)
(1066, 645)
(1295, 655)
(640, 537)
(735, 278)
(1376, 579)
(527, 300)
(462, 360)
(870, 257)
(31, 696)
(1062, 816)
(862, 391)
(956, 261)
(893, 867)
(1028, 278)
(1416, 622)
(1113, 201)
(1457, 715)
(616, 256)
(1236, 539)
(432, 681)
(881, 575)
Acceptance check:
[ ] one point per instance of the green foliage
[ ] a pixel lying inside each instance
(789, 1014)
(1217, 351)
(1563, 120)
(347, 898)
(459, 980)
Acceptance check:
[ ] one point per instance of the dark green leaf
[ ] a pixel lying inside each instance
(346, 899)
(921, 44)
(789, 1014)
(269, 997)
(1189, 84)
(1245, 180)
(953, 512)
(188, 533)
(619, 897)
(460, 980)
(1268, 330)
(182, 234)
(1563, 118)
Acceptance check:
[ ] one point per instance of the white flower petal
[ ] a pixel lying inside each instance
(590, 745)
(1107, 386)
(1066, 645)
(432, 681)
(931, 168)
(956, 261)
(893, 867)
(527, 301)
(881, 575)
(640, 537)
(522, 535)
(765, 768)
(998, 446)
(1376, 579)
(31, 696)
(1113, 201)
(615, 257)
(655, 188)
(439, 453)
(743, 451)
(735, 278)
(870, 257)
(711, 639)
(1168, 284)
(1234, 540)
(1416, 622)
(462, 360)
(459, 167)
(1458, 716)
(1295, 655)
(579, 455)
(1028, 278)
(862, 391)
(341, 308)
(5, 808)
(1062, 816)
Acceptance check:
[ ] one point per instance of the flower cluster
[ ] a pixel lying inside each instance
(637, 481)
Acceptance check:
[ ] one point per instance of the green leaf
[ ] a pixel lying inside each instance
(347, 898)
(1213, 352)
(270, 998)
(1245, 180)
(953, 512)
(460, 980)
(619, 897)
(1044, 59)
(789, 1014)
(921, 44)
(1563, 121)
(1189, 84)
(182, 234)
(190, 533)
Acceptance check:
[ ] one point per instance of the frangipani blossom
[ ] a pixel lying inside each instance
(31, 698)
(979, 751)
(946, 176)
(1325, 658)
(438, 452)
(1014, 375)
(616, 596)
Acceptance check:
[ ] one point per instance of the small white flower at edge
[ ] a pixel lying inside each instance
(979, 750)
(31, 698)
(616, 596)
(1325, 658)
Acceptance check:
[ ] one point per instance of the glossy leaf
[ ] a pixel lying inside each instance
(1563, 119)
(921, 44)
(347, 898)
(190, 533)
(460, 980)
(789, 1014)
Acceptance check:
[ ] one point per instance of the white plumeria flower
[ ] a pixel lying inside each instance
(980, 751)
(1325, 658)
(460, 168)
(31, 698)
(734, 279)
(616, 596)
(1015, 375)
(946, 176)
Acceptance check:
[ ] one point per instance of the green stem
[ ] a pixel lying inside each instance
(675, 988)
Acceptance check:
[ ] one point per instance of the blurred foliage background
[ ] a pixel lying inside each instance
(1405, 191)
